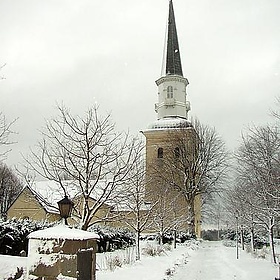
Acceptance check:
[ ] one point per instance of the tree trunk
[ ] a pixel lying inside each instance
(160, 238)
(175, 237)
(252, 240)
(271, 239)
(252, 235)
(242, 238)
(138, 254)
(192, 218)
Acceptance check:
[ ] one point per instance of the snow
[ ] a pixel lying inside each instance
(49, 192)
(208, 260)
(9, 265)
(169, 123)
(150, 268)
(212, 261)
(62, 232)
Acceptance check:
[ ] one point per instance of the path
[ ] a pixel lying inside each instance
(213, 261)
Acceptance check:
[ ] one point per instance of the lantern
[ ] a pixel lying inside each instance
(65, 208)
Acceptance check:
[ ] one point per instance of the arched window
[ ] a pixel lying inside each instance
(169, 92)
(177, 152)
(160, 153)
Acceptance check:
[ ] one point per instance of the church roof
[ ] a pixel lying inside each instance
(169, 123)
(48, 193)
(173, 60)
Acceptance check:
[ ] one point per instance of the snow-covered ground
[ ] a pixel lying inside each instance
(153, 268)
(9, 265)
(210, 261)
(207, 261)
(214, 261)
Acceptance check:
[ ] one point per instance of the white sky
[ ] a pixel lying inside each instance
(110, 52)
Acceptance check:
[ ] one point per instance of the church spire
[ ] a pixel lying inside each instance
(173, 60)
(172, 101)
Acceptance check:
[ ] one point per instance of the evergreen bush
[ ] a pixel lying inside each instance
(14, 241)
(13, 235)
(112, 238)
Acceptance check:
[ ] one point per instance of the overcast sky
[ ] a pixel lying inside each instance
(84, 51)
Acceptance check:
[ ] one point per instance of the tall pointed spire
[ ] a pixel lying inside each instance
(173, 60)
(172, 101)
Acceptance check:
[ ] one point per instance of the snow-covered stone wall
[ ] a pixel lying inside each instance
(53, 252)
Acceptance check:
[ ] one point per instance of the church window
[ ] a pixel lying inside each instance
(160, 153)
(177, 152)
(169, 92)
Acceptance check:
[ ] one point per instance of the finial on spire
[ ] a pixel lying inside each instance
(173, 60)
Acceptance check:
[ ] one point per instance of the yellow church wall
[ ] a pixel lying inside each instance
(27, 206)
(100, 214)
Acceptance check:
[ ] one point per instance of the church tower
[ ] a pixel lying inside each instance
(162, 151)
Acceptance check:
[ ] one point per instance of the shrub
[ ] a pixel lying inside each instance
(210, 235)
(118, 258)
(112, 238)
(168, 237)
(153, 251)
(167, 247)
(113, 262)
(13, 235)
(260, 238)
(229, 243)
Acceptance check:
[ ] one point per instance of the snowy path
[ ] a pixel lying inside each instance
(213, 261)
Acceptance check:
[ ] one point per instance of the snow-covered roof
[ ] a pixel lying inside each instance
(169, 123)
(50, 192)
(62, 232)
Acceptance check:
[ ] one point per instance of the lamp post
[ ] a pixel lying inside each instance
(236, 217)
(65, 206)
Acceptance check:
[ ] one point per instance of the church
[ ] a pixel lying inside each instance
(169, 146)
(170, 151)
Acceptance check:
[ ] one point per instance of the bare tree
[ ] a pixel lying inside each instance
(257, 196)
(240, 213)
(195, 163)
(1, 67)
(276, 112)
(169, 213)
(10, 186)
(5, 132)
(136, 211)
(91, 155)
